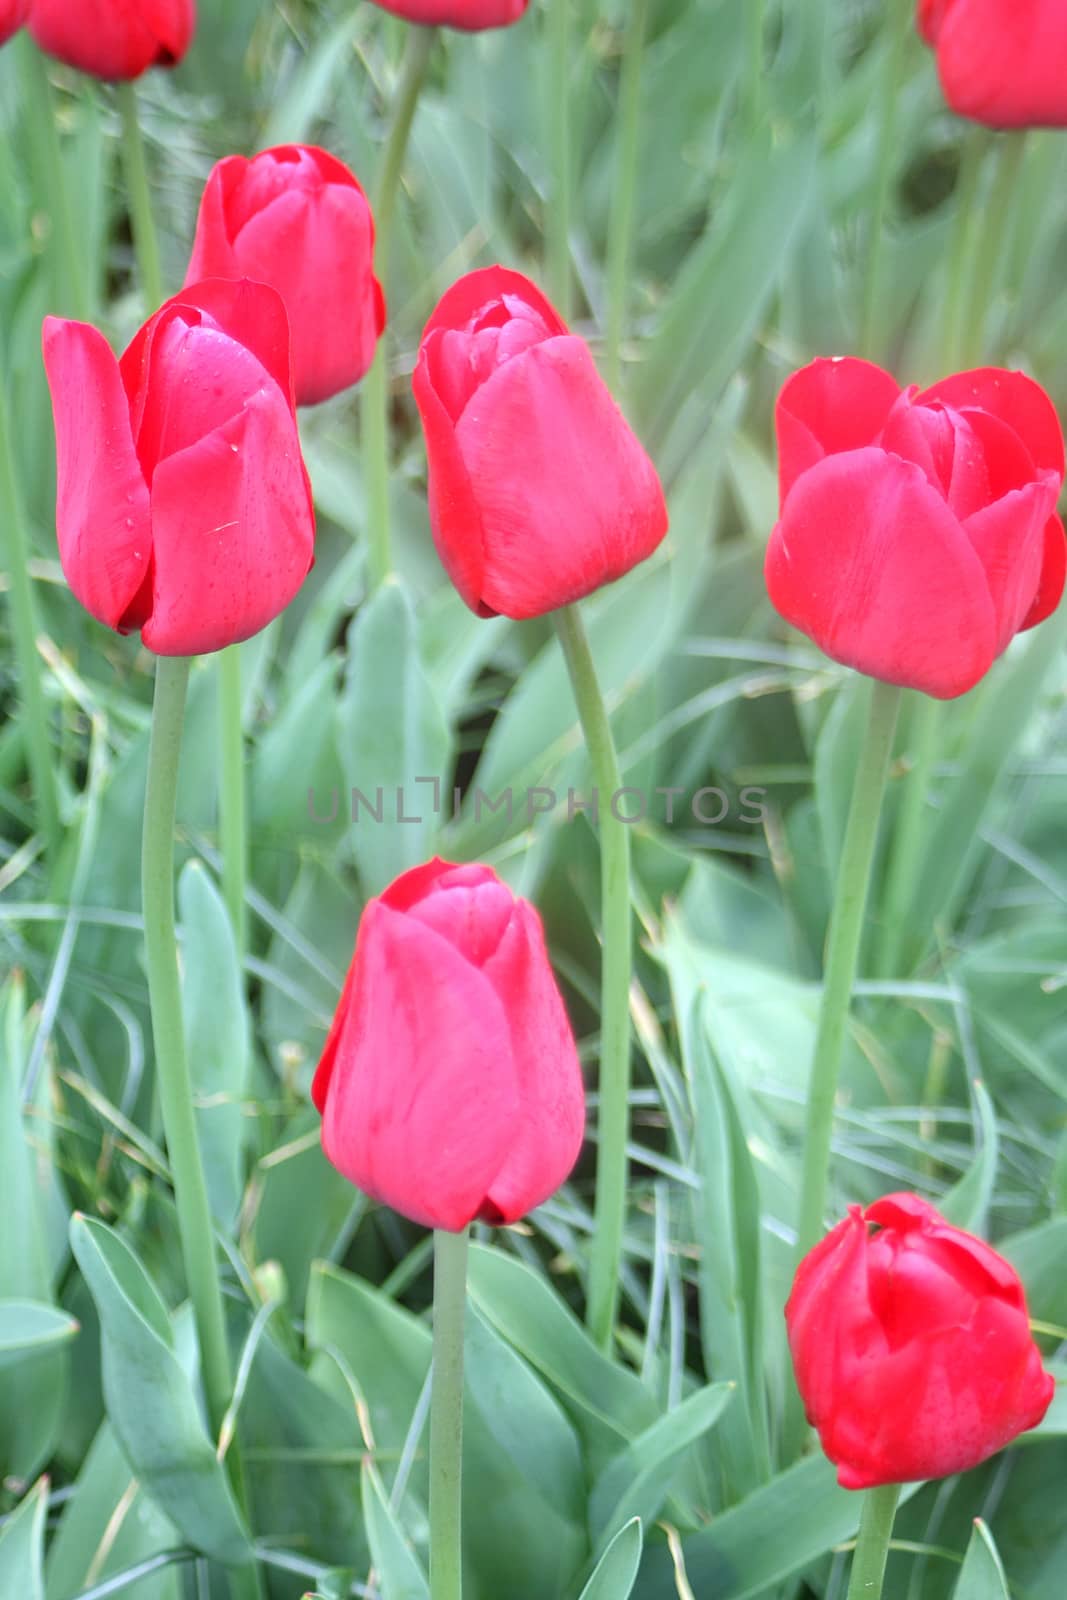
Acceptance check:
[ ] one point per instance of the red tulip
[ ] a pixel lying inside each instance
(917, 533)
(1002, 62)
(471, 15)
(13, 14)
(911, 1346)
(296, 218)
(114, 38)
(449, 1085)
(539, 491)
(183, 507)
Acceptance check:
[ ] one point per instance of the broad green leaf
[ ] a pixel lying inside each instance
(636, 1484)
(22, 1548)
(982, 1577)
(216, 1035)
(522, 1496)
(150, 1401)
(967, 1203)
(616, 1572)
(29, 1329)
(109, 1525)
(392, 739)
(522, 1307)
(399, 1574)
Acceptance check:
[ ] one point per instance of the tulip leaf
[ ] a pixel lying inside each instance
(967, 1203)
(982, 1577)
(28, 1328)
(108, 1525)
(150, 1400)
(393, 741)
(22, 1547)
(638, 1481)
(523, 1308)
(522, 1491)
(216, 1033)
(1003, 715)
(616, 1572)
(400, 1577)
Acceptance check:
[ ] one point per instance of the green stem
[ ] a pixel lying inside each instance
(446, 1415)
(613, 1123)
(374, 392)
(842, 959)
(620, 239)
(25, 627)
(905, 856)
(145, 240)
(232, 802)
(558, 219)
(962, 249)
(901, 23)
(70, 286)
(172, 1069)
(872, 1546)
(992, 228)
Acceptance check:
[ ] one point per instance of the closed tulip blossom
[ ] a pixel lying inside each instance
(918, 532)
(470, 15)
(13, 14)
(911, 1346)
(183, 508)
(295, 217)
(1001, 62)
(539, 491)
(449, 1085)
(114, 38)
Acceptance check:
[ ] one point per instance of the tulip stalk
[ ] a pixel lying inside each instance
(71, 288)
(24, 626)
(233, 826)
(905, 857)
(614, 1083)
(145, 239)
(842, 958)
(446, 1414)
(558, 217)
(195, 1225)
(374, 398)
(872, 1545)
(620, 237)
(900, 24)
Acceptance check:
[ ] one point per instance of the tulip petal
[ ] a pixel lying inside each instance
(233, 531)
(551, 1122)
(1009, 539)
(102, 506)
(455, 516)
(1014, 399)
(117, 40)
(568, 498)
(315, 247)
(212, 254)
(429, 1136)
(1053, 575)
(1004, 62)
(869, 562)
(829, 406)
(476, 291)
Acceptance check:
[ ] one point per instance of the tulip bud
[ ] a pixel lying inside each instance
(911, 1346)
(470, 15)
(13, 14)
(295, 217)
(112, 38)
(1001, 62)
(918, 532)
(183, 507)
(449, 1084)
(539, 491)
